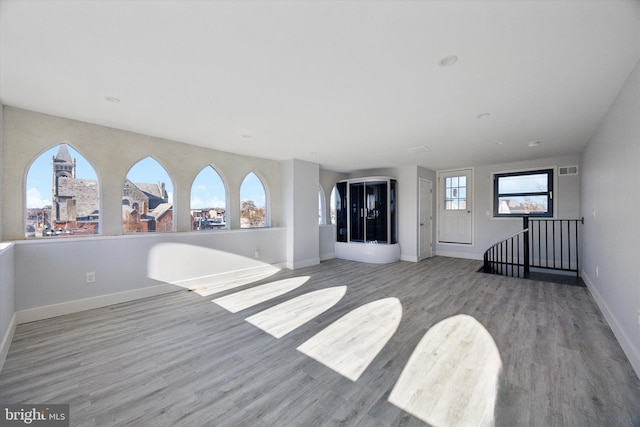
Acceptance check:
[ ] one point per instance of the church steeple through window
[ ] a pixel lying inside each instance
(63, 197)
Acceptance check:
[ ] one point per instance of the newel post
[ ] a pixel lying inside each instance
(525, 227)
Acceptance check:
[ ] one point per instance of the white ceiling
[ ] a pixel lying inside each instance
(348, 85)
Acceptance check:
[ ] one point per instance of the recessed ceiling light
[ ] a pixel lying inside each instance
(420, 149)
(500, 142)
(448, 60)
(483, 115)
(534, 143)
(246, 136)
(112, 99)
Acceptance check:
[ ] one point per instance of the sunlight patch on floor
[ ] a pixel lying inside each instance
(212, 288)
(283, 318)
(349, 344)
(241, 300)
(452, 376)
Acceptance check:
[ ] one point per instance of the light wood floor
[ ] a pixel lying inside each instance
(182, 360)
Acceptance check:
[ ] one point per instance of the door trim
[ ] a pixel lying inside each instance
(429, 183)
(440, 198)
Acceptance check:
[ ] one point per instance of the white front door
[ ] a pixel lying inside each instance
(455, 206)
(425, 219)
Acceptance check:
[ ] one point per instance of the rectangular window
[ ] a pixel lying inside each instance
(527, 193)
(455, 193)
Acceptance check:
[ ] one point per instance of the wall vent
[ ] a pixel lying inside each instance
(568, 170)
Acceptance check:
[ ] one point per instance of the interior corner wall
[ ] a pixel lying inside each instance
(1, 165)
(407, 204)
(7, 299)
(299, 191)
(610, 202)
(7, 272)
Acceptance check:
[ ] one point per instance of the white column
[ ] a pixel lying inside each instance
(299, 182)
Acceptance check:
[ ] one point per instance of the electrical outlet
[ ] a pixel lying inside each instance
(597, 272)
(257, 254)
(91, 277)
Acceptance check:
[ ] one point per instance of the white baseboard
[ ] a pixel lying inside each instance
(54, 310)
(410, 258)
(6, 340)
(633, 354)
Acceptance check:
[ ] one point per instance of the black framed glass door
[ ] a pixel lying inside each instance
(342, 209)
(357, 211)
(376, 211)
(366, 211)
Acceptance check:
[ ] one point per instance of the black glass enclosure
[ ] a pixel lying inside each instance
(341, 211)
(366, 211)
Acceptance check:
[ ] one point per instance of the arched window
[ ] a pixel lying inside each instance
(147, 198)
(322, 207)
(332, 204)
(253, 202)
(62, 195)
(208, 201)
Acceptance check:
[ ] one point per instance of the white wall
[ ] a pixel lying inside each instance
(50, 275)
(7, 277)
(47, 277)
(611, 188)
(488, 230)
(300, 212)
(2, 155)
(407, 204)
(7, 298)
(112, 152)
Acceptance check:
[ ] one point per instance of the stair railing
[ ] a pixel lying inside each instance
(509, 257)
(555, 244)
(550, 244)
